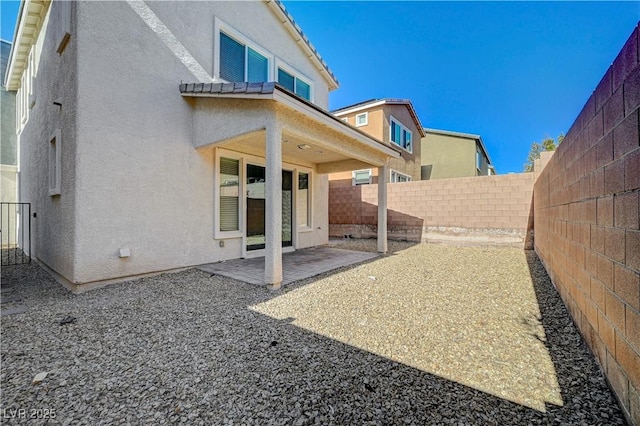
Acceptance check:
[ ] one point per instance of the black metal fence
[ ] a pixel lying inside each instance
(15, 229)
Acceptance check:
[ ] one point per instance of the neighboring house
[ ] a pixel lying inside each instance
(394, 122)
(151, 139)
(448, 154)
(8, 156)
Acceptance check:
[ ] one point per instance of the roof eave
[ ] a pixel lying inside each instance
(17, 60)
(287, 20)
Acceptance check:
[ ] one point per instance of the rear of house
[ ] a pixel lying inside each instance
(151, 139)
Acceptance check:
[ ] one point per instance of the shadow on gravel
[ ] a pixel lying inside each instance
(582, 383)
(185, 347)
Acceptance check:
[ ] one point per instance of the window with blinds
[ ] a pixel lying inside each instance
(294, 84)
(229, 194)
(239, 62)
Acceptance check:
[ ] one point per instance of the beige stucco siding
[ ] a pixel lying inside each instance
(378, 127)
(408, 163)
(449, 156)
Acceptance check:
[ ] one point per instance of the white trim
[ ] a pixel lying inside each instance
(218, 26)
(241, 233)
(403, 128)
(55, 179)
(279, 63)
(217, 233)
(392, 171)
(359, 108)
(366, 119)
(310, 216)
(353, 177)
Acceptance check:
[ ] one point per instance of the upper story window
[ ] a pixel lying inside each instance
(295, 84)
(239, 62)
(362, 119)
(400, 135)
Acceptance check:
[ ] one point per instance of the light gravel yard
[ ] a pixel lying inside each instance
(429, 334)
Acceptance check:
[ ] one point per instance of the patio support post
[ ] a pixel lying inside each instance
(383, 172)
(273, 207)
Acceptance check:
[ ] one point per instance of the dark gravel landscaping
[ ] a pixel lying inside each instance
(429, 334)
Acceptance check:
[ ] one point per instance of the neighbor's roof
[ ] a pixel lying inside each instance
(32, 14)
(350, 109)
(275, 91)
(462, 135)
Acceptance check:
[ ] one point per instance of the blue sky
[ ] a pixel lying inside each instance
(512, 72)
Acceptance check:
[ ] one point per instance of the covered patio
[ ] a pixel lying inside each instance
(297, 265)
(264, 126)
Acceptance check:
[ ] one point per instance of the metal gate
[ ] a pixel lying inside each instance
(15, 229)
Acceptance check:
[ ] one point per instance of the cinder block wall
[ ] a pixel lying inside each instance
(487, 209)
(586, 224)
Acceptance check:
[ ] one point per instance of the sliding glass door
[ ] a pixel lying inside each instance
(256, 203)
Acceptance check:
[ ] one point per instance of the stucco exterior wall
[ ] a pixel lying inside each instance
(449, 156)
(141, 182)
(54, 225)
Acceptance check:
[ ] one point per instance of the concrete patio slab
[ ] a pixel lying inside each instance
(297, 265)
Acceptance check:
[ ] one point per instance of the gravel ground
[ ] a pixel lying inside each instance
(430, 334)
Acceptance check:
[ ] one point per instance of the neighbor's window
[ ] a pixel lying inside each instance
(362, 119)
(399, 177)
(303, 200)
(229, 194)
(239, 62)
(55, 175)
(400, 135)
(294, 84)
(362, 177)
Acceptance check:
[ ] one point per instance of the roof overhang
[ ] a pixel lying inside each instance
(30, 18)
(321, 126)
(296, 32)
(378, 102)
